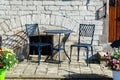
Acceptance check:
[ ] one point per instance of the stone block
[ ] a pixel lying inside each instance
(13, 23)
(48, 3)
(27, 8)
(24, 12)
(69, 7)
(36, 19)
(4, 27)
(76, 3)
(14, 8)
(2, 12)
(2, 7)
(62, 3)
(40, 8)
(98, 32)
(23, 20)
(52, 8)
(52, 19)
(73, 13)
(81, 7)
(17, 20)
(58, 20)
(91, 8)
(101, 57)
(12, 12)
(27, 3)
(4, 2)
(38, 3)
(15, 2)
(91, 17)
(95, 42)
(28, 18)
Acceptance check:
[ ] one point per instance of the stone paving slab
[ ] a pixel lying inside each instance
(52, 70)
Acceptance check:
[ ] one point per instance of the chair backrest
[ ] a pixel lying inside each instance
(86, 33)
(32, 30)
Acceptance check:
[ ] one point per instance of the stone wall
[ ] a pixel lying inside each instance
(51, 14)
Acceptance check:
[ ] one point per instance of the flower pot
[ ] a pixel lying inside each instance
(2, 74)
(116, 75)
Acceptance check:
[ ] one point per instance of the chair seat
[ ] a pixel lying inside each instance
(82, 45)
(58, 49)
(39, 44)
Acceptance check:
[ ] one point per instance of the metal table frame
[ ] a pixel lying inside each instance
(59, 32)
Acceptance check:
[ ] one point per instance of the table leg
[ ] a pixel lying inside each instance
(66, 54)
(59, 46)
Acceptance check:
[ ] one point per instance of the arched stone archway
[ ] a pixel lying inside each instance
(45, 21)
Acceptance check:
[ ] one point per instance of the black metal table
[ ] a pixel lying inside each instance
(59, 32)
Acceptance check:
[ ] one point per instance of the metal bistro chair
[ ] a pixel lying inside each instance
(33, 30)
(86, 32)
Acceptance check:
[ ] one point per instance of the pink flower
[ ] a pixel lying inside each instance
(119, 59)
(114, 61)
(116, 67)
(107, 54)
(108, 61)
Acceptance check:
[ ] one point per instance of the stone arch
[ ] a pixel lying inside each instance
(50, 21)
(44, 20)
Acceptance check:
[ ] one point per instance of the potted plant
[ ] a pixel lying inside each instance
(7, 61)
(113, 63)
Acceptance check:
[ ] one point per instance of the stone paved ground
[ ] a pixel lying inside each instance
(64, 71)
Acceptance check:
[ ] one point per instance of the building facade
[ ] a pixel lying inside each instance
(66, 14)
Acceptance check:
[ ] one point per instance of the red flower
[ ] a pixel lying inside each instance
(1, 51)
(1, 65)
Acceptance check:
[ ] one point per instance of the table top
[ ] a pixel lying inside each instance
(58, 31)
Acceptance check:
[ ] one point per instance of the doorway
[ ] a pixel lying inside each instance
(114, 20)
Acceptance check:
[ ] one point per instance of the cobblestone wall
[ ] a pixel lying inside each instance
(50, 14)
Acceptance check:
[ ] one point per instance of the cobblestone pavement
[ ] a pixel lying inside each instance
(52, 70)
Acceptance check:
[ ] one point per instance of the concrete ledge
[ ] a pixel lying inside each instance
(101, 57)
(34, 77)
(74, 77)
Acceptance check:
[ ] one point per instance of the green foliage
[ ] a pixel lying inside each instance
(7, 58)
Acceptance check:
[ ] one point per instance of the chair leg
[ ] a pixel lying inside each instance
(39, 56)
(51, 54)
(78, 53)
(47, 58)
(70, 52)
(92, 50)
(27, 57)
(87, 55)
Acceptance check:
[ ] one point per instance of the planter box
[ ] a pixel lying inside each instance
(2, 74)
